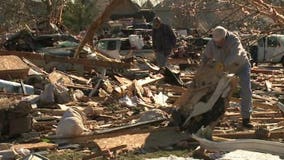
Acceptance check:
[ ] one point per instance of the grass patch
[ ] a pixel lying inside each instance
(135, 156)
(66, 155)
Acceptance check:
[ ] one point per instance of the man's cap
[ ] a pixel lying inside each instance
(219, 33)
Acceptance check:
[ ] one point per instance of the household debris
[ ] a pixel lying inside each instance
(71, 124)
(125, 107)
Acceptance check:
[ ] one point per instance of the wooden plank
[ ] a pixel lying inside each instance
(34, 67)
(152, 140)
(88, 64)
(265, 71)
(10, 62)
(257, 105)
(12, 67)
(176, 89)
(132, 142)
(32, 146)
(141, 82)
(104, 131)
(257, 114)
(266, 119)
(122, 80)
(249, 135)
(57, 76)
(268, 85)
(264, 98)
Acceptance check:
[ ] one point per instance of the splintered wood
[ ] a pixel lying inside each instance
(40, 145)
(209, 88)
(12, 67)
(148, 140)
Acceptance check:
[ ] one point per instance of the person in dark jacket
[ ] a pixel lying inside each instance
(164, 40)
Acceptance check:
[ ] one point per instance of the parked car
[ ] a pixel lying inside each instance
(268, 48)
(120, 48)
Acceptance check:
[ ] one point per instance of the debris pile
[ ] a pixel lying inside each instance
(106, 109)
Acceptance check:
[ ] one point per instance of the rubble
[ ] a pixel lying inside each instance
(16, 117)
(124, 107)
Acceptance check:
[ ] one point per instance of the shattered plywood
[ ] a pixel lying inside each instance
(152, 140)
(57, 77)
(48, 62)
(12, 67)
(204, 102)
(32, 146)
(131, 141)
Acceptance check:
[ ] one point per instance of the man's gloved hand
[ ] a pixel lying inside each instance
(219, 67)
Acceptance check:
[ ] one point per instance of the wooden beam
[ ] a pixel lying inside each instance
(140, 82)
(12, 67)
(249, 135)
(31, 146)
(88, 64)
(257, 114)
(152, 140)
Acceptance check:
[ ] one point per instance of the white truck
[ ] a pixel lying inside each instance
(121, 48)
(268, 49)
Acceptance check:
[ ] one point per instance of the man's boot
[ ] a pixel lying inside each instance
(246, 123)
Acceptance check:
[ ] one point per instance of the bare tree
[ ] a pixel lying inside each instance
(245, 15)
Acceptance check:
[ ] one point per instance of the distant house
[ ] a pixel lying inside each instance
(148, 5)
(125, 9)
(163, 11)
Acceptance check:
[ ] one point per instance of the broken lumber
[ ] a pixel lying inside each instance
(249, 135)
(140, 82)
(46, 61)
(12, 67)
(149, 140)
(265, 71)
(204, 102)
(32, 146)
(129, 126)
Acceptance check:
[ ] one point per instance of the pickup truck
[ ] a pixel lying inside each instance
(121, 48)
(268, 49)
